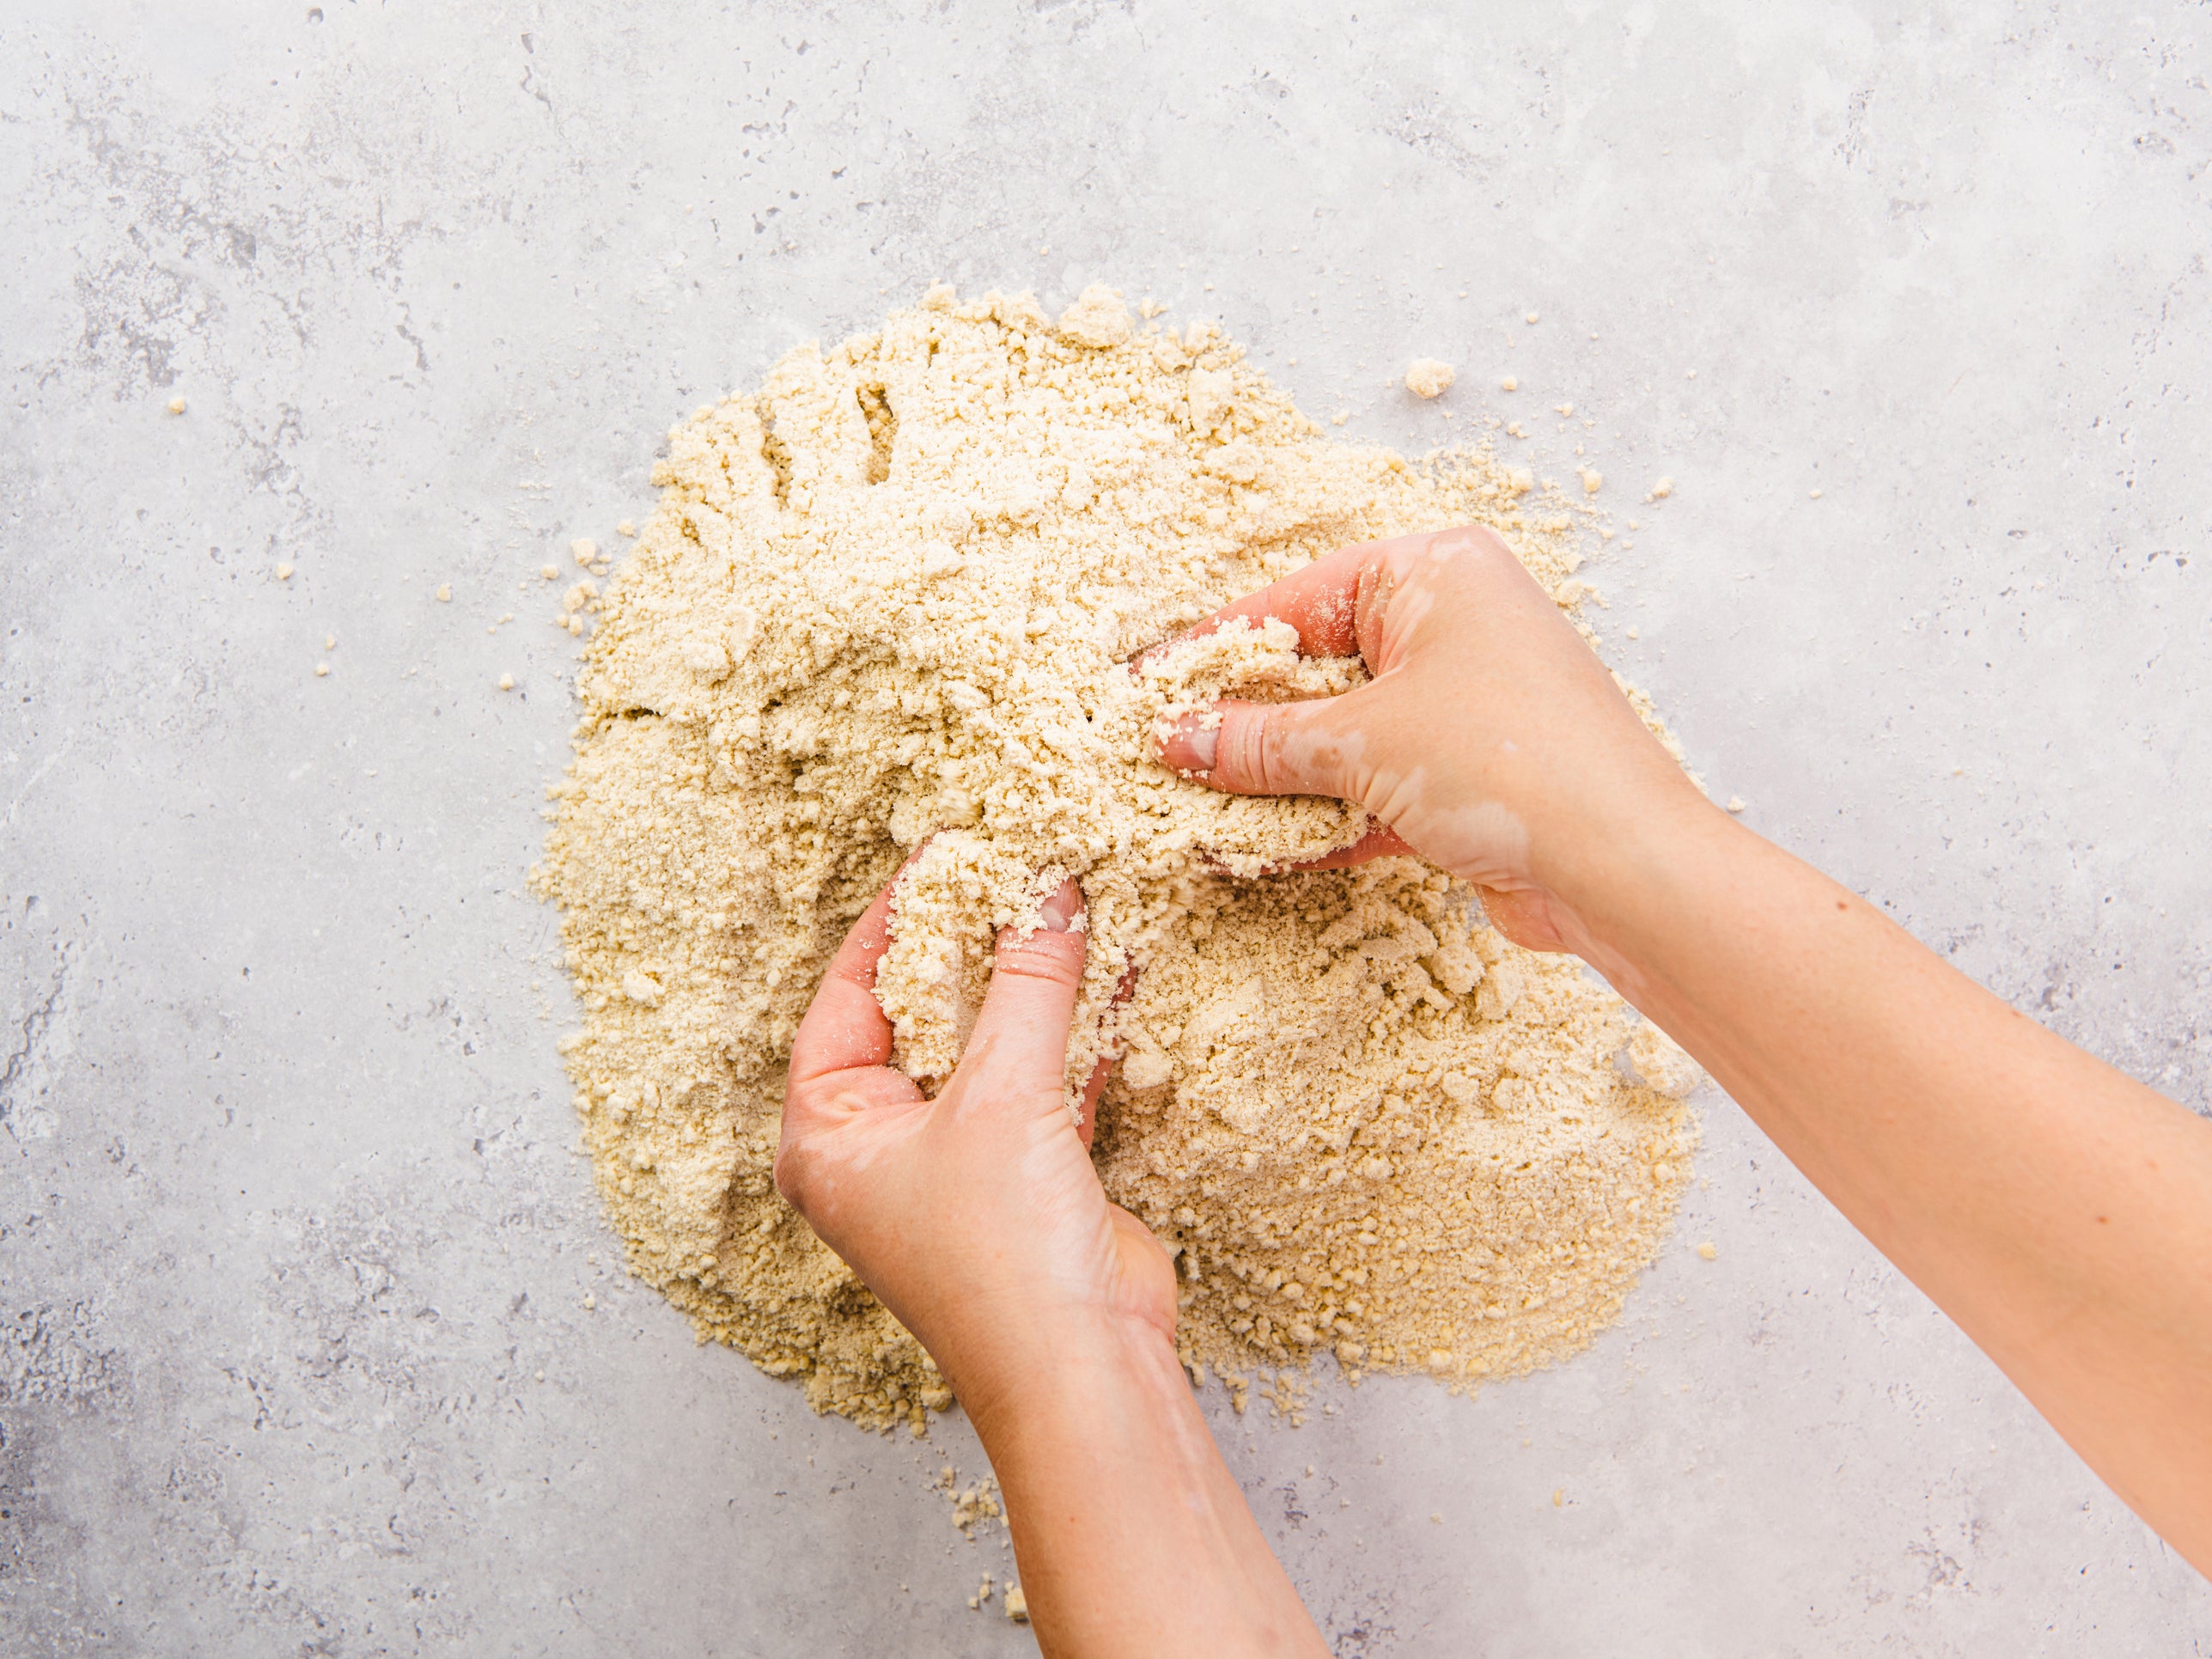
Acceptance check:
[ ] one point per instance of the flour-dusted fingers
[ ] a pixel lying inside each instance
(1021, 1031)
(1087, 1123)
(1381, 841)
(1321, 601)
(844, 1028)
(1311, 747)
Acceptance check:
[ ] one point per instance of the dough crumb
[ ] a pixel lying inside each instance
(1428, 377)
(1710, 1251)
(625, 528)
(445, 593)
(1532, 317)
(507, 682)
(1593, 480)
(321, 669)
(1660, 491)
(1508, 384)
(1017, 1605)
(1736, 803)
(549, 573)
(176, 405)
(1097, 318)
(283, 573)
(584, 550)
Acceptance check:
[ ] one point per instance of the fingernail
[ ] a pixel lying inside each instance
(1062, 907)
(1193, 743)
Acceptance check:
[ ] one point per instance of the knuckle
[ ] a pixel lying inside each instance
(1055, 958)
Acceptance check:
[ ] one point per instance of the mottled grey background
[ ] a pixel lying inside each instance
(294, 1247)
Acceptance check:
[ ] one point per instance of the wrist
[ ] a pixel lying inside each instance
(1037, 1370)
(1595, 856)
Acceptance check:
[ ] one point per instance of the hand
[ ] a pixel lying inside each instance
(2062, 1213)
(1489, 741)
(976, 1217)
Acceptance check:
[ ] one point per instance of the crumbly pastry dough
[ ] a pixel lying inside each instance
(895, 595)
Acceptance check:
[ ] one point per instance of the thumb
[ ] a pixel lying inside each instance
(1266, 749)
(1021, 1030)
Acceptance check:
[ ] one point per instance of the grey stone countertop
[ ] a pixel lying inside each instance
(296, 1352)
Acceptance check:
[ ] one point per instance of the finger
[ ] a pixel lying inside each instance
(1381, 841)
(1270, 748)
(1320, 601)
(1022, 1028)
(844, 1025)
(1087, 1118)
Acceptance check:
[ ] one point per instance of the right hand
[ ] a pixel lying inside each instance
(1489, 741)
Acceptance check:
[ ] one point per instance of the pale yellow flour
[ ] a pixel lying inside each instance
(895, 594)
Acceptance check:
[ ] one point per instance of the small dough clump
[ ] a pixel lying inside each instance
(895, 593)
(1428, 377)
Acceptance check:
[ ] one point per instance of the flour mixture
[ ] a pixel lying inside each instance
(893, 595)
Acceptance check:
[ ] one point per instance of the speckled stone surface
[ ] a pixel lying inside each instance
(310, 1336)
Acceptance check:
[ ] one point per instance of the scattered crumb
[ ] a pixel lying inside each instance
(283, 573)
(1816, 495)
(1512, 430)
(1428, 377)
(973, 1504)
(1436, 1517)
(1593, 480)
(1660, 491)
(1017, 1604)
(1633, 634)
(590, 1302)
(1735, 803)
(1340, 417)
(321, 668)
(1508, 384)
(445, 592)
(329, 642)
(585, 550)
(1559, 1497)
(176, 405)
(507, 682)
(1532, 317)
(550, 572)
(625, 528)
(1691, 375)
(1567, 409)
(1708, 1250)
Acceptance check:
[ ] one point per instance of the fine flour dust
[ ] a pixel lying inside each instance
(895, 595)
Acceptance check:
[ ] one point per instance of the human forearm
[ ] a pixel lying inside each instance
(1132, 1535)
(2059, 1211)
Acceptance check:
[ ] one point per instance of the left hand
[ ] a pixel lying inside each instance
(976, 1217)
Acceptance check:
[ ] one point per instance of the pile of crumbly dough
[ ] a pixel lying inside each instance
(895, 595)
